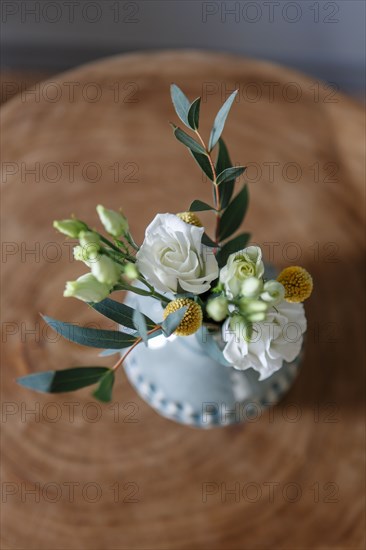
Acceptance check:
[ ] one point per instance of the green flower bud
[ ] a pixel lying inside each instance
(71, 228)
(273, 292)
(113, 222)
(80, 255)
(255, 306)
(90, 243)
(105, 270)
(256, 317)
(217, 308)
(89, 237)
(131, 271)
(251, 287)
(87, 288)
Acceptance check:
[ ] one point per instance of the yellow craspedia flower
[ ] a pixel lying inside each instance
(298, 283)
(192, 319)
(190, 217)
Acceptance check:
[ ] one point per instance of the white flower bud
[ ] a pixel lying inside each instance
(251, 287)
(131, 271)
(105, 270)
(217, 308)
(87, 288)
(273, 292)
(71, 228)
(113, 222)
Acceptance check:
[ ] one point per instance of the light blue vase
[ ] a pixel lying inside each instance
(183, 379)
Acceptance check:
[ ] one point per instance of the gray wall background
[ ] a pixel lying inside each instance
(323, 38)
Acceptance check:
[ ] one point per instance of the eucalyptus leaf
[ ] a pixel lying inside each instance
(173, 320)
(200, 206)
(238, 243)
(56, 381)
(188, 141)
(223, 161)
(104, 390)
(91, 337)
(204, 164)
(119, 313)
(208, 242)
(234, 214)
(140, 325)
(194, 114)
(181, 103)
(220, 120)
(230, 174)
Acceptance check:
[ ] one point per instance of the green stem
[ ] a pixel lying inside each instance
(215, 186)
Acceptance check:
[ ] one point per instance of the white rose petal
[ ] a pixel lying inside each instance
(172, 256)
(277, 339)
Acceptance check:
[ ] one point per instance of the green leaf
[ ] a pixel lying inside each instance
(208, 242)
(188, 141)
(223, 162)
(238, 243)
(173, 320)
(220, 120)
(56, 381)
(104, 390)
(234, 214)
(140, 325)
(194, 114)
(91, 337)
(230, 174)
(180, 102)
(119, 313)
(203, 163)
(200, 206)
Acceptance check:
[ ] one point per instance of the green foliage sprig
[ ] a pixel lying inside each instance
(220, 171)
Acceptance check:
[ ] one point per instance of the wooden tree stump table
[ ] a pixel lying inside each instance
(77, 475)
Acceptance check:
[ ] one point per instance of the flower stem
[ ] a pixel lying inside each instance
(138, 341)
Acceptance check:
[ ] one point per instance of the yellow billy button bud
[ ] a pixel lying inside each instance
(71, 228)
(113, 222)
(298, 283)
(190, 217)
(192, 319)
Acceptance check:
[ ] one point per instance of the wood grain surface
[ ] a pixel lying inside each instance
(298, 470)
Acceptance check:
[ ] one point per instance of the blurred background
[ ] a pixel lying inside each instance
(321, 38)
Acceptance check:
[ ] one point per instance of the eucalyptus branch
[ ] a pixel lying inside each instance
(215, 186)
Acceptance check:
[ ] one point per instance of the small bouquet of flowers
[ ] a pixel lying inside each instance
(214, 283)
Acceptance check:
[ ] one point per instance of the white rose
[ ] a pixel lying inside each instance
(173, 258)
(277, 339)
(240, 266)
